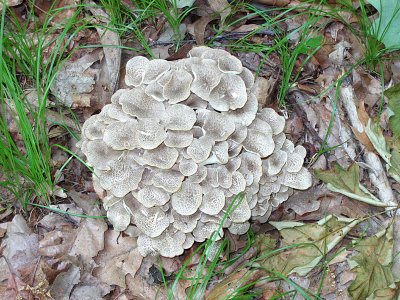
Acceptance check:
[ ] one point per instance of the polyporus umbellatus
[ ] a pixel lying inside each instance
(174, 149)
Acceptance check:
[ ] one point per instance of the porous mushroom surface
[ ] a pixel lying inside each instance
(173, 150)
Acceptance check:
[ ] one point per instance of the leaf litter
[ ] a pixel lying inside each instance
(318, 243)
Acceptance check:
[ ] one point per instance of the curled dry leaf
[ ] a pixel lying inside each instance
(119, 258)
(64, 283)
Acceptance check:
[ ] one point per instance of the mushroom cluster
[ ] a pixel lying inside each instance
(174, 149)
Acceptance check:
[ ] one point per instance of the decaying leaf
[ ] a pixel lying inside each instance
(119, 258)
(64, 283)
(361, 135)
(373, 266)
(377, 139)
(347, 182)
(307, 244)
(210, 7)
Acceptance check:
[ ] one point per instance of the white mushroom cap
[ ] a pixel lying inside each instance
(168, 180)
(299, 181)
(188, 199)
(100, 155)
(121, 135)
(259, 143)
(213, 202)
(245, 116)
(233, 164)
(189, 241)
(137, 103)
(115, 97)
(178, 139)
(280, 198)
(118, 215)
(151, 196)
(200, 149)
(196, 102)
(230, 64)
(161, 157)
(112, 112)
(247, 77)
(229, 94)
(123, 177)
(199, 176)
(93, 128)
(238, 183)
(239, 228)
(251, 164)
(279, 141)
(276, 162)
(155, 90)
(185, 224)
(151, 221)
(206, 78)
(178, 87)
(217, 127)
(155, 68)
(214, 54)
(150, 134)
(240, 211)
(204, 230)
(187, 167)
(170, 243)
(179, 117)
(145, 245)
(219, 154)
(198, 51)
(276, 121)
(135, 70)
(295, 159)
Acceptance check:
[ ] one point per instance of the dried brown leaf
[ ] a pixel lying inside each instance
(199, 28)
(119, 258)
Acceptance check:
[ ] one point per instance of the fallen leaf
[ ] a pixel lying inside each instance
(210, 7)
(313, 241)
(373, 267)
(119, 258)
(347, 182)
(141, 290)
(112, 54)
(199, 28)
(64, 283)
(364, 118)
(377, 139)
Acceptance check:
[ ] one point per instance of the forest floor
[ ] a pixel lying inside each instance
(332, 68)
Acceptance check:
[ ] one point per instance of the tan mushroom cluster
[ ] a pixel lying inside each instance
(174, 149)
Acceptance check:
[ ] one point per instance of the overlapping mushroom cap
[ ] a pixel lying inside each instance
(174, 149)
